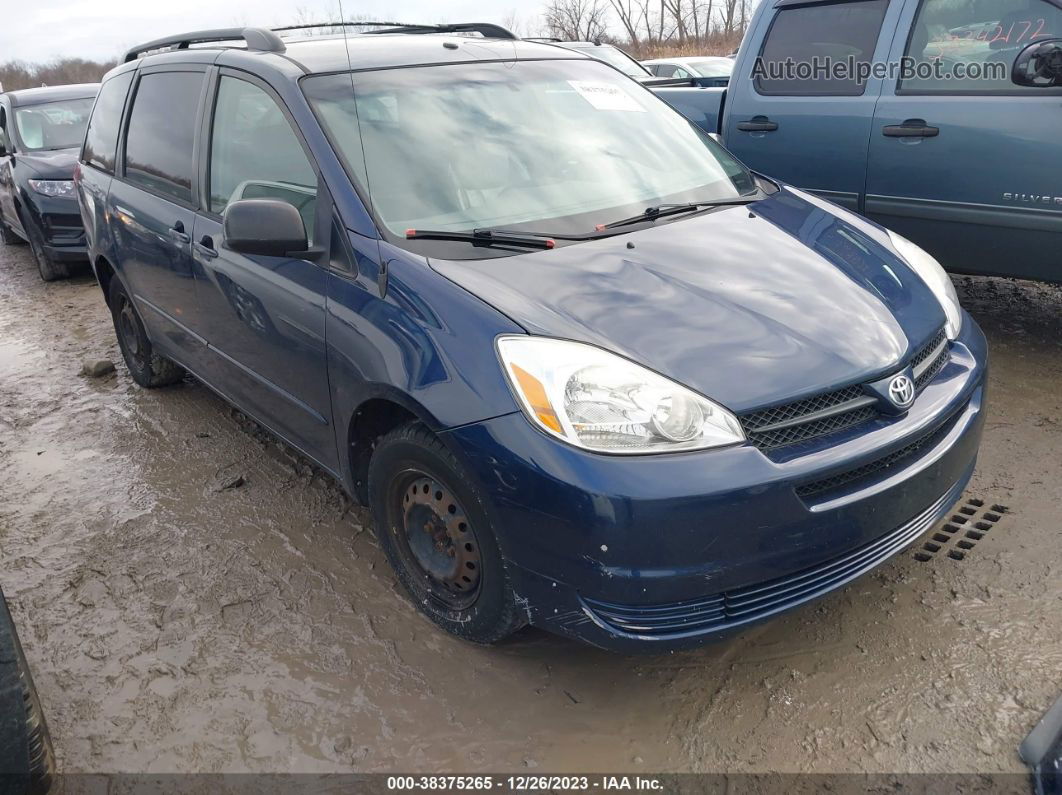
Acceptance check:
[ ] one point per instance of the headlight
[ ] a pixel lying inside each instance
(603, 402)
(935, 278)
(54, 188)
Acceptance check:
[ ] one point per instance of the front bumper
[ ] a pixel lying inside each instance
(62, 231)
(668, 551)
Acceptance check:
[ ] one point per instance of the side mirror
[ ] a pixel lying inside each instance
(1039, 65)
(266, 227)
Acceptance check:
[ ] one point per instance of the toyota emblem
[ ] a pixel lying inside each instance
(902, 391)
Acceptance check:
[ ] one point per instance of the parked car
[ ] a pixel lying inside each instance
(965, 167)
(706, 70)
(587, 370)
(608, 53)
(41, 130)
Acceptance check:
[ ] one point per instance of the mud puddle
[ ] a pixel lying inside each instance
(173, 625)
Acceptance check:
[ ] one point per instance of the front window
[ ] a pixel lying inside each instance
(712, 67)
(963, 37)
(53, 125)
(556, 147)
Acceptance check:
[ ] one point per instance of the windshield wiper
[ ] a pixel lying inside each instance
(485, 237)
(664, 210)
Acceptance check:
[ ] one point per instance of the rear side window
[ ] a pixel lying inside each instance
(101, 141)
(804, 39)
(255, 154)
(158, 143)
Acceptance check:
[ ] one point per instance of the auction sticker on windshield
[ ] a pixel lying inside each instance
(604, 96)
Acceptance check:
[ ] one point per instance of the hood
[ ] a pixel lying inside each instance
(750, 306)
(55, 164)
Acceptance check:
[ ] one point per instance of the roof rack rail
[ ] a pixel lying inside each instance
(486, 29)
(550, 39)
(313, 25)
(256, 38)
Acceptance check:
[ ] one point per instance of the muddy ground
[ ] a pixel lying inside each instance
(174, 626)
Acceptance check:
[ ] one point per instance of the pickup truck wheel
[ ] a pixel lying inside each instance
(436, 534)
(27, 760)
(50, 270)
(148, 368)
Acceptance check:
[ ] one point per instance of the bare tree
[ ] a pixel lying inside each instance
(577, 20)
(629, 14)
(15, 74)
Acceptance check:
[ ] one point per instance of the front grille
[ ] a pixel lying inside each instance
(733, 608)
(830, 412)
(877, 468)
(926, 365)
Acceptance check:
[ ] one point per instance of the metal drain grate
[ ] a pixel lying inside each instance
(960, 533)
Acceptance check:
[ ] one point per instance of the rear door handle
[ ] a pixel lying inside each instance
(178, 234)
(205, 248)
(912, 128)
(758, 124)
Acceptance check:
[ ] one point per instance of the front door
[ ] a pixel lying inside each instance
(983, 192)
(264, 317)
(809, 128)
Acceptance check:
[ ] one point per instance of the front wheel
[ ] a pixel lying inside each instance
(7, 234)
(49, 268)
(436, 534)
(148, 368)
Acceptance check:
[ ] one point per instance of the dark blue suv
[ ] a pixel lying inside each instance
(587, 370)
(41, 130)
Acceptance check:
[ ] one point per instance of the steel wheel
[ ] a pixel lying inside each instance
(436, 538)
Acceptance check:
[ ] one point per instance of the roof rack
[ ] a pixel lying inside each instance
(265, 40)
(485, 29)
(256, 38)
(550, 39)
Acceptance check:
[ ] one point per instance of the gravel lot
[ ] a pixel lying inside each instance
(174, 624)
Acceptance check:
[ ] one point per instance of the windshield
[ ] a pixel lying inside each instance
(546, 146)
(53, 125)
(712, 67)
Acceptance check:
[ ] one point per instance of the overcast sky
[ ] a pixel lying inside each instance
(41, 30)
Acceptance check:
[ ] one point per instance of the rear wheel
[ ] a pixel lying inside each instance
(149, 369)
(435, 531)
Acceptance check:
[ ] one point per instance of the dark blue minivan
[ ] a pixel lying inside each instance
(588, 371)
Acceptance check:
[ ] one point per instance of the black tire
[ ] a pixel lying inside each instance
(27, 761)
(436, 533)
(50, 269)
(8, 236)
(149, 369)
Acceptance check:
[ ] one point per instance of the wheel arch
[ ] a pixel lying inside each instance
(105, 274)
(375, 416)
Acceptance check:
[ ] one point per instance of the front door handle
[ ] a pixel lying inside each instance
(205, 248)
(912, 128)
(758, 124)
(177, 233)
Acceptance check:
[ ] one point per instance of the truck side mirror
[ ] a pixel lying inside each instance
(1039, 65)
(267, 227)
